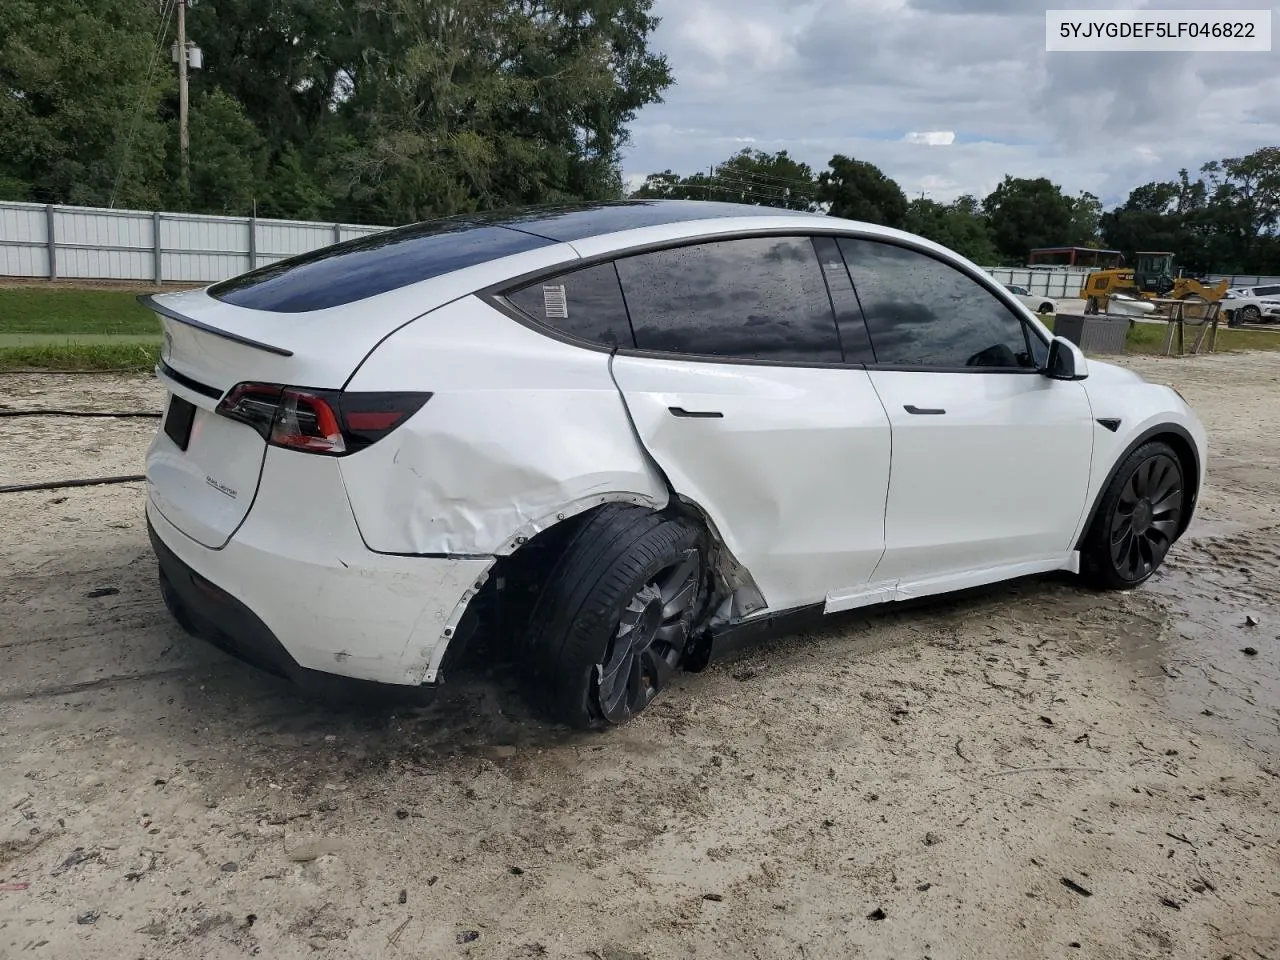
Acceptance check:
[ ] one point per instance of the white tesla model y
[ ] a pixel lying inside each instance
(626, 437)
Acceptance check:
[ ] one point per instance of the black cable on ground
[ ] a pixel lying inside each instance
(77, 413)
(59, 484)
(43, 373)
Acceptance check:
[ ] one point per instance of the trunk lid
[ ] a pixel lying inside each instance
(206, 487)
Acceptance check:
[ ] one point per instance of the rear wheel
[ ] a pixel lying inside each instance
(1045, 307)
(615, 615)
(1137, 521)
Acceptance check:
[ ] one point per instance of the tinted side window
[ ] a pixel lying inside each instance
(922, 312)
(761, 298)
(1266, 291)
(586, 304)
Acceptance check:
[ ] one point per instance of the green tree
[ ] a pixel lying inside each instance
(1242, 207)
(859, 190)
(749, 176)
(1086, 220)
(79, 102)
(227, 157)
(959, 226)
(1162, 215)
(1025, 214)
(459, 104)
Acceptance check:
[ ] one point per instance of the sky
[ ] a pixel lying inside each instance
(947, 96)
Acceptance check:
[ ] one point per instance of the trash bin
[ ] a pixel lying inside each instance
(1093, 334)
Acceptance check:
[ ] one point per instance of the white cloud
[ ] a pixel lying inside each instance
(877, 79)
(932, 138)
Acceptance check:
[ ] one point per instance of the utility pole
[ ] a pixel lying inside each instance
(184, 142)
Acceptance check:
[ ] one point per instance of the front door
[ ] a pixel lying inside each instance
(991, 459)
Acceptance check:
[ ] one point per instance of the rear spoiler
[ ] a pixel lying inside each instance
(149, 301)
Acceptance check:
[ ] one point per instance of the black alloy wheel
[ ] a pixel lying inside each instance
(1145, 520)
(650, 639)
(615, 615)
(1139, 519)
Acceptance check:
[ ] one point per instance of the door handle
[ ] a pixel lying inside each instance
(924, 411)
(696, 414)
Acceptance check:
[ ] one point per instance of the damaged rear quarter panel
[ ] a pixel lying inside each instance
(522, 430)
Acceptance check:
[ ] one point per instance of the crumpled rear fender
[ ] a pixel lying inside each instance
(522, 431)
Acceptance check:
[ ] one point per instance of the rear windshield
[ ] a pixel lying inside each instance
(367, 266)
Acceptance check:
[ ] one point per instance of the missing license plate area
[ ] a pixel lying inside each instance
(178, 421)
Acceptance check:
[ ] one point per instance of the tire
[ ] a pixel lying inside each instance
(1138, 519)
(1250, 314)
(1045, 307)
(613, 618)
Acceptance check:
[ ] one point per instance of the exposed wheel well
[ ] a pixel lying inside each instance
(498, 615)
(1182, 447)
(1190, 471)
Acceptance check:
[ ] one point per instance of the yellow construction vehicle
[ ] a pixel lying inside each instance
(1151, 278)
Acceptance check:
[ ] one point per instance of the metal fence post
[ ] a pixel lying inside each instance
(337, 233)
(157, 253)
(52, 241)
(253, 242)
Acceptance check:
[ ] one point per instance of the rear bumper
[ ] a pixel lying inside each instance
(296, 592)
(206, 610)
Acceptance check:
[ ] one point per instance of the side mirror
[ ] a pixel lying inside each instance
(1066, 361)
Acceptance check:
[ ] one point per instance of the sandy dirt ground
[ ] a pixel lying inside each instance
(1029, 771)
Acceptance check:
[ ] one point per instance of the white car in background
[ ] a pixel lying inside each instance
(626, 437)
(1038, 303)
(1252, 304)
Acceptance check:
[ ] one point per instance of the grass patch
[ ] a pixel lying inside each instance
(1148, 338)
(53, 310)
(141, 357)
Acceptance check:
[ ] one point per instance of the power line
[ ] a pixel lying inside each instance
(734, 189)
(781, 191)
(166, 11)
(765, 176)
(759, 191)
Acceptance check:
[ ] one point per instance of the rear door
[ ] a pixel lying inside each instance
(991, 459)
(740, 390)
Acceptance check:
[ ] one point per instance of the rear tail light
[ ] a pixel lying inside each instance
(319, 421)
(254, 404)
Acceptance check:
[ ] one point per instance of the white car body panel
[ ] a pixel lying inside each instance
(522, 431)
(1032, 301)
(1266, 306)
(815, 480)
(997, 479)
(299, 564)
(207, 490)
(325, 345)
(1140, 406)
(792, 474)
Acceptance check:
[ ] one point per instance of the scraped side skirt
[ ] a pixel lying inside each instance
(888, 592)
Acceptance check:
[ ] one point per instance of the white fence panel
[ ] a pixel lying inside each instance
(97, 244)
(24, 240)
(1056, 284)
(350, 233)
(50, 241)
